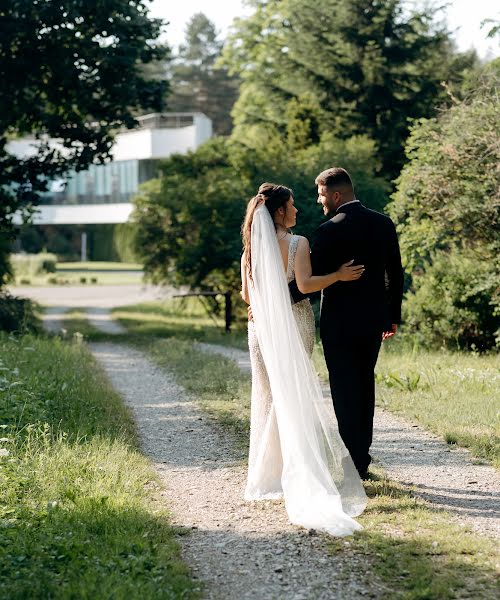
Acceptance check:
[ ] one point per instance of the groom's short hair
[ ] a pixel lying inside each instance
(334, 178)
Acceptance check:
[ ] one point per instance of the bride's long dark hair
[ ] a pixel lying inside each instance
(274, 196)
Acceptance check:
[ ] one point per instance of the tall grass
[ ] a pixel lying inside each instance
(79, 508)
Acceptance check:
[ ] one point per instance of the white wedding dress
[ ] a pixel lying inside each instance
(296, 452)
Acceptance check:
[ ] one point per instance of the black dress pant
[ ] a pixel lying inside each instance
(351, 360)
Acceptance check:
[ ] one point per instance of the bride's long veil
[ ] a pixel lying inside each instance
(321, 487)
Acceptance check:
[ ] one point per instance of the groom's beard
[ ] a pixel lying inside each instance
(329, 210)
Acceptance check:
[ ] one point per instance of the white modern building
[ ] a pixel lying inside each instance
(102, 194)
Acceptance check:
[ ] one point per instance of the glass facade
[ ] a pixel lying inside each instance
(102, 184)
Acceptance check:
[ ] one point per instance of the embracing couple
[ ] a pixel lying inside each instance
(302, 448)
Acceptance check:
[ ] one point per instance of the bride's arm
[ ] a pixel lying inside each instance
(244, 284)
(307, 282)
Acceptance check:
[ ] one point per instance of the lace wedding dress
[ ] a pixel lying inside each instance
(296, 452)
(265, 461)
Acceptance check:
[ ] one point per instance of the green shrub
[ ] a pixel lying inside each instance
(454, 303)
(448, 193)
(18, 314)
(124, 235)
(33, 264)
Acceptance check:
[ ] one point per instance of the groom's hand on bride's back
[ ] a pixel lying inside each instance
(391, 333)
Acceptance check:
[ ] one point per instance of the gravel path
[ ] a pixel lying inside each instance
(239, 550)
(101, 319)
(448, 478)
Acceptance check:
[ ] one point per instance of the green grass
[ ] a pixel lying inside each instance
(418, 553)
(217, 382)
(184, 318)
(75, 323)
(71, 273)
(98, 266)
(410, 550)
(79, 510)
(451, 394)
(454, 395)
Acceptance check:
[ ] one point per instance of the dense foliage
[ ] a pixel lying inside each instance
(189, 219)
(17, 315)
(71, 71)
(447, 207)
(370, 66)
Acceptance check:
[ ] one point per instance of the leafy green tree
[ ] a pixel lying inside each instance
(198, 85)
(188, 221)
(454, 303)
(72, 71)
(448, 193)
(447, 210)
(371, 64)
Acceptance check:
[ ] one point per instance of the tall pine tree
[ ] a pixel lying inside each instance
(197, 84)
(371, 65)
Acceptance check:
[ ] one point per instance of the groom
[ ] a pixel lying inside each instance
(357, 315)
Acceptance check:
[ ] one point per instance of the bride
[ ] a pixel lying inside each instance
(296, 452)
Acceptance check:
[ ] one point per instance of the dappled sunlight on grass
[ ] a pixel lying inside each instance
(181, 318)
(452, 394)
(79, 504)
(419, 552)
(79, 514)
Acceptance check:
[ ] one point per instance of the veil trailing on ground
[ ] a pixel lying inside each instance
(321, 486)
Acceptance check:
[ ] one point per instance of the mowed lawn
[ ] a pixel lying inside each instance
(85, 273)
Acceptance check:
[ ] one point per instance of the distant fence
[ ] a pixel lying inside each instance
(228, 309)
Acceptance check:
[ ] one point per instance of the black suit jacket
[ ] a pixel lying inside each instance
(373, 302)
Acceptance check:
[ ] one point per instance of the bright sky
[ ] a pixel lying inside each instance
(464, 16)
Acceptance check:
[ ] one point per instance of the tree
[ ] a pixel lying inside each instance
(71, 71)
(447, 210)
(371, 65)
(198, 85)
(448, 193)
(188, 221)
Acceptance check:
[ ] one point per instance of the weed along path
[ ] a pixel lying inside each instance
(447, 478)
(239, 550)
